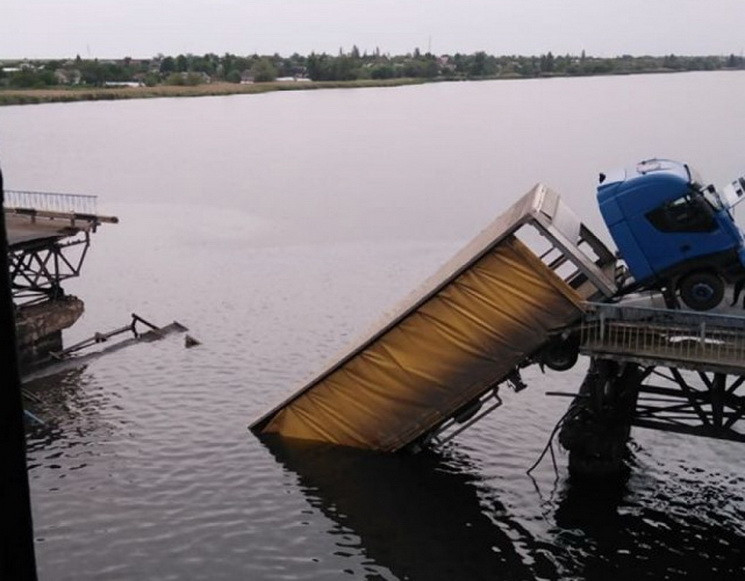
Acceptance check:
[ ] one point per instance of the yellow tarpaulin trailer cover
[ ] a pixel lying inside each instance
(443, 350)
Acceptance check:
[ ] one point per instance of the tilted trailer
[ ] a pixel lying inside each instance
(435, 365)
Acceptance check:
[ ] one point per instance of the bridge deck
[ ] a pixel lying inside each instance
(48, 236)
(680, 339)
(34, 218)
(22, 231)
(27, 227)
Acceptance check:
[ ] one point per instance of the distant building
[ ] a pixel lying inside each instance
(120, 84)
(445, 64)
(67, 76)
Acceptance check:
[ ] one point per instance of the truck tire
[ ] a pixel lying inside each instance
(561, 354)
(702, 290)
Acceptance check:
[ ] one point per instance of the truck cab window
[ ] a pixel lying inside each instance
(689, 213)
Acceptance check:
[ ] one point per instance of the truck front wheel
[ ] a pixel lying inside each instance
(702, 290)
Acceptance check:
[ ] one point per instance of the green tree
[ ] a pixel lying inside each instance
(181, 64)
(92, 73)
(193, 79)
(175, 79)
(315, 66)
(52, 65)
(151, 79)
(430, 67)
(263, 71)
(478, 66)
(28, 78)
(547, 63)
(227, 62)
(672, 62)
(167, 65)
(382, 71)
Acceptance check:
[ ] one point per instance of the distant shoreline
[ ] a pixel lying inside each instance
(77, 94)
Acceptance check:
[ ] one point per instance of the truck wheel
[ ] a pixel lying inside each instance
(561, 354)
(702, 290)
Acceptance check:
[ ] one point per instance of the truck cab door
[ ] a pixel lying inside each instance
(682, 229)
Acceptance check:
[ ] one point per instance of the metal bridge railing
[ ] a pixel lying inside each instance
(686, 337)
(51, 202)
(629, 314)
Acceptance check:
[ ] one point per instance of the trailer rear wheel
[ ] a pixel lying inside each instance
(702, 290)
(561, 354)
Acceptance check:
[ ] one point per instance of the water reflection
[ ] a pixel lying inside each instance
(419, 516)
(619, 530)
(65, 406)
(429, 517)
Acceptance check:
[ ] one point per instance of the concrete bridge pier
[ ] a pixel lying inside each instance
(39, 328)
(598, 423)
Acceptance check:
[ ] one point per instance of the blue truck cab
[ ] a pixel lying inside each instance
(674, 233)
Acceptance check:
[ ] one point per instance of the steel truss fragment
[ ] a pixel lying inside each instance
(616, 396)
(37, 270)
(700, 403)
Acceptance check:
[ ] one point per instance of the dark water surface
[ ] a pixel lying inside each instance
(277, 228)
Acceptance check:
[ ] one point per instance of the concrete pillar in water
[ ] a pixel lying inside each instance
(598, 424)
(39, 328)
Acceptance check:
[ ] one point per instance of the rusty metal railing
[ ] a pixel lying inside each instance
(49, 201)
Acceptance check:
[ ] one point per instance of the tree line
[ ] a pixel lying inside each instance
(344, 66)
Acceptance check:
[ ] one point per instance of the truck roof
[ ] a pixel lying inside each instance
(666, 168)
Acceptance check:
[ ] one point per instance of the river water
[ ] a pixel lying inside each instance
(245, 218)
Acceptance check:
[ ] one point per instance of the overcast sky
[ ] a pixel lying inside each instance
(144, 28)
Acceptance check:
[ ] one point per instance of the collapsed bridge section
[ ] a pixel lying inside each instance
(48, 237)
(431, 366)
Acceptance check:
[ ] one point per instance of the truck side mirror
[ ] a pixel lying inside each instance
(733, 193)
